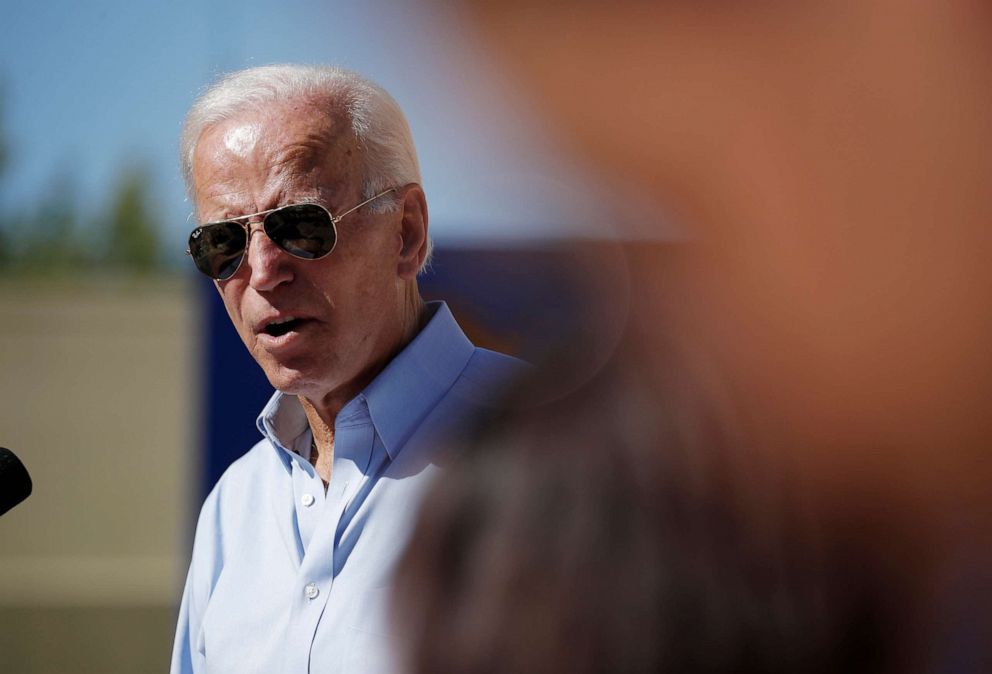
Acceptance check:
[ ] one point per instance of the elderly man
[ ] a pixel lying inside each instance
(315, 230)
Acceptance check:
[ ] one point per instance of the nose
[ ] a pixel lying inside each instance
(268, 264)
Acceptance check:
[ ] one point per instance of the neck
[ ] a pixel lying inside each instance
(322, 412)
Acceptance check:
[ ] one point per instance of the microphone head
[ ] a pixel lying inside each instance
(15, 483)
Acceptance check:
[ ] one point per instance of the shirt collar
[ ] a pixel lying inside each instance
(283, 422)
(413, 382)
(399, 397)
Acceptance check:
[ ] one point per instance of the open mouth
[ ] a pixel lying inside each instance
(283, 326)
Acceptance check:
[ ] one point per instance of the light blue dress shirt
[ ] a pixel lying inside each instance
(286, 578)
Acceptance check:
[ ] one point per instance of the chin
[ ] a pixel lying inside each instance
(308, 383)
(288, 381)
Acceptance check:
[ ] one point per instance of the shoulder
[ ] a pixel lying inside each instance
(234, 507)
(476, 392)
(246, 476)
(252, 466)
(487, 376)
(491, 368)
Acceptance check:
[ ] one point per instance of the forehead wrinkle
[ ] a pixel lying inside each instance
(313, 171)
(281, 195)
(223, 188)
(220, 191)
(307, 153)
(309, 161)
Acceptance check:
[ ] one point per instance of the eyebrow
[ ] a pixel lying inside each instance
(308, 199)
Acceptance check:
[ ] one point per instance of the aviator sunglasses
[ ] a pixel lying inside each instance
(307, 231)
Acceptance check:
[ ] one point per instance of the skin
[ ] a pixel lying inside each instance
(360, 305)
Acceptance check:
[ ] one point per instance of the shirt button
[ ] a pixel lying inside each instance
(307, 500)
(311, 591)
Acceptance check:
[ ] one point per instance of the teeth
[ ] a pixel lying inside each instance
(280, 321)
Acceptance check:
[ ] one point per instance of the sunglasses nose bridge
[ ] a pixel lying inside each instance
(266, 260)
(257, 226)
(253, 227)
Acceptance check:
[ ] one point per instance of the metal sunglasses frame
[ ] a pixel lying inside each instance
(335, 219)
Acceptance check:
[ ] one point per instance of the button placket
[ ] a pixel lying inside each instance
(308, 494)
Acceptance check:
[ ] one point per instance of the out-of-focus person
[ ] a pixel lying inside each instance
(631, 525)
(829, 162)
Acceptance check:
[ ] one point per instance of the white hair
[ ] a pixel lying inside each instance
(379, 125)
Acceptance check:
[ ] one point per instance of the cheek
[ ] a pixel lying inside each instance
(231, 297)
(369, 264)
(364, 303)
(358, 297)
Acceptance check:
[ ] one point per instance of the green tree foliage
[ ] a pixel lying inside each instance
(130, 232)
(50, 237)
(5, 252)
(44, 238)
(41, 237)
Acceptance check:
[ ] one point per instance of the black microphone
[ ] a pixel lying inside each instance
(15, 483)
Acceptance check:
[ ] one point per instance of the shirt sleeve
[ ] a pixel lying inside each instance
(188, 651)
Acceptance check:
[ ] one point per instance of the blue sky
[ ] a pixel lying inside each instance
(89, 88)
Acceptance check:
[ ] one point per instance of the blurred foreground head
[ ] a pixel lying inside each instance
(631, 526)
(831, 161)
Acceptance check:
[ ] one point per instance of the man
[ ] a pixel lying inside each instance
(316, 230)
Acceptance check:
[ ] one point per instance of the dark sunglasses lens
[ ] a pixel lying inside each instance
(218, 249)
(303, 230)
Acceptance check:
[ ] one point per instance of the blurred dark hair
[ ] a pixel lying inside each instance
(630, 526)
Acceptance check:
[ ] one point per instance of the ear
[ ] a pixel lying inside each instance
(413, 233)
